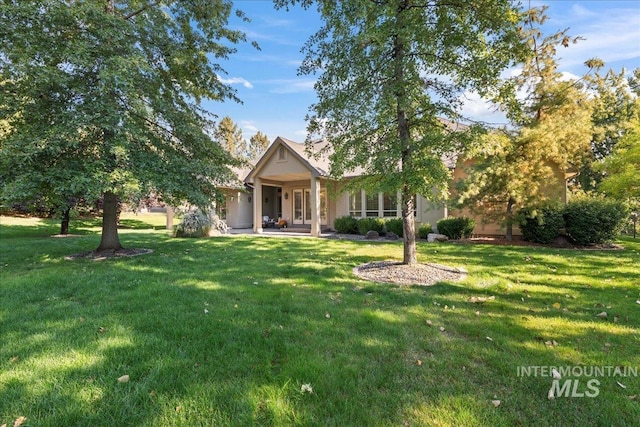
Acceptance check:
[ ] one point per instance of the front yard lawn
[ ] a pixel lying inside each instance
(247, 331)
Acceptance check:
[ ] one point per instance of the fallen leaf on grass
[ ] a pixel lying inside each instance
(621, 385)
(429, 322)
(633, 397)
(206, 311)
(306, 388)
(495, 403)
(327, 315)
(18, 422)
(603, 314)
(556, 305)
(638, 301)
(551, 343)
(123, 379)
(442, 329)
(489, 338)
(153, 393)
(419, 362)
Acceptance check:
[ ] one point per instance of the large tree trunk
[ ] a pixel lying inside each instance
(509, 224)
(409, 228)
(109, 240)
(64, 224)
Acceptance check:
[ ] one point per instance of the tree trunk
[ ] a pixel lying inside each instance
(408, 199)
(510, 204)
(409, 229)
(109, 240)
(64, 224)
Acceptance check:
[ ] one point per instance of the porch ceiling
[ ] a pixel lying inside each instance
(287, 177)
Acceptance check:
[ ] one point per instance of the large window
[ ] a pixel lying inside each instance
(355, 204)
(373, 203)
(389, 205)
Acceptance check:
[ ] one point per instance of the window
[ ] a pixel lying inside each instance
(282, 153)
(355, 204)
(373, 203)
(389, 205)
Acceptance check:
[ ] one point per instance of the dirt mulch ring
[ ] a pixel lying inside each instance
(102, 255)
(401, 274)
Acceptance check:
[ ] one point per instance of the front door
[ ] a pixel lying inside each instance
(302, 206)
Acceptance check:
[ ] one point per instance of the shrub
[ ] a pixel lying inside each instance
(541, 224)
(594, 221)
(456, 228)
(346, 225)
(395, 225)
(424, 230)
(367, 224)
(194, 224)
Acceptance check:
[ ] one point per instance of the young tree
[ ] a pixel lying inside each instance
(258, 144)
(389, 71)
(103, 97)
(552, 129)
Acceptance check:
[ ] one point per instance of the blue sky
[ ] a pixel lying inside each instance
(276, 100)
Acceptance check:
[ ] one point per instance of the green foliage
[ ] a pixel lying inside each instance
(114, 105)
(346, 225)
(258, 144)
(622, 168)
(592, 221)
(541, 224)
(456, 227)
(367, 224)
(194, 224)
(425, 230)
(394, 225)
(230, 136)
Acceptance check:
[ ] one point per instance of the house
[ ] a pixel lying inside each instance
(290, 183)
(294, 185)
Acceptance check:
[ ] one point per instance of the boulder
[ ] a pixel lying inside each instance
(435, 237)
(391, 235)
(372, 235)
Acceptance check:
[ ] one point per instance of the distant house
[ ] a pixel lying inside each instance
(292, 184)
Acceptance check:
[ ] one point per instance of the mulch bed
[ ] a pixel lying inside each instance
(401, 274)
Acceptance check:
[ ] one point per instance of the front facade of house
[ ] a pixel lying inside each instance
(292, 184)
(287, 183)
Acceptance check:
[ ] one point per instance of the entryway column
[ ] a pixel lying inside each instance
(315, 207)
(257, 205)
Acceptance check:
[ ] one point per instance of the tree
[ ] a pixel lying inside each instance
(621, 170)
(511, 169)
(615, 106)
(103, 98)
(230, 136)
(389, 71)
(258, 144)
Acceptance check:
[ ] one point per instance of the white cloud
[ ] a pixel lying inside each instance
(287, 86)
(236, 80)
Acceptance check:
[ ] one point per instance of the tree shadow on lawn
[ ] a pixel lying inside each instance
(227, 330)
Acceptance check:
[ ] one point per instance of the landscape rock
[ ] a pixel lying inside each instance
(372, 235)
(391, 235)
(435, 237)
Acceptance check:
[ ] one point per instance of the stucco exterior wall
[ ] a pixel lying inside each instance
(239, 209)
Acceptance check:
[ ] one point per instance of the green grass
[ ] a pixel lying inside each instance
(70, 329)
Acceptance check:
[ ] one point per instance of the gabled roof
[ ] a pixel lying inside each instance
(317, 165)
